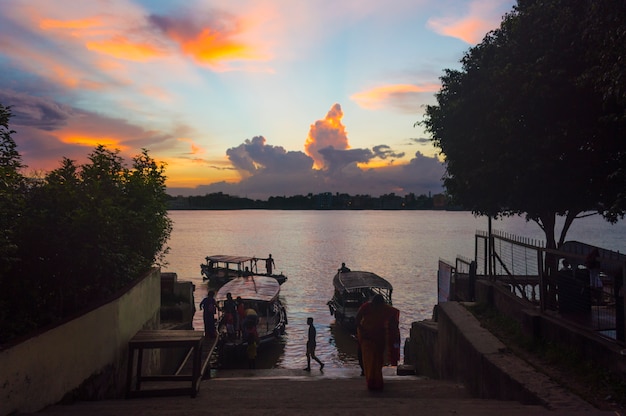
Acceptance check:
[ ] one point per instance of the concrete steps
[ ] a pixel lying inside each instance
(335, 391)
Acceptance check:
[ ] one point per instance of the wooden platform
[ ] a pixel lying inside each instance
(189, 375)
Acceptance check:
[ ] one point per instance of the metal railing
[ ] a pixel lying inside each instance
(552, 280)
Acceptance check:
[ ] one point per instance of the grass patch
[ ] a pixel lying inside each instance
(597, 385)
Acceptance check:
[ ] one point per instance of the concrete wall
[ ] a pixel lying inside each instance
(551, 328)
(422, 349)
(43, 369)
(454, 346)
(463, 351)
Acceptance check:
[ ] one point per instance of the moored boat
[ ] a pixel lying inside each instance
(353, 289)
(259, 294)
(221, 268)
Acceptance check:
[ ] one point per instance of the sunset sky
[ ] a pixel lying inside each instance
(248, 97)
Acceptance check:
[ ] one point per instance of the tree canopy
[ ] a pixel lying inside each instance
(77, 235)
(531, 125)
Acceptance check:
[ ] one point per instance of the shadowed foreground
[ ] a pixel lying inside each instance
(334, 392)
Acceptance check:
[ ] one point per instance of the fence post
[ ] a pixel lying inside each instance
(542, 280)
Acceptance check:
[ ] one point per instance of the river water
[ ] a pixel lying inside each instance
(309, 246)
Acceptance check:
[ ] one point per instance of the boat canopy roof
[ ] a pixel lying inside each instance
(225, 258)
(259, 288)
(349, 281)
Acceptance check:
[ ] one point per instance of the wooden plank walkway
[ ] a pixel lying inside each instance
(186, 380)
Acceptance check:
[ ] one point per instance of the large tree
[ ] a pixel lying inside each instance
(528, 126)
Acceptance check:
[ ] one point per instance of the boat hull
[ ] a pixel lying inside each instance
(353, 289)
(260, 293)
(344, 315)
(221, 269)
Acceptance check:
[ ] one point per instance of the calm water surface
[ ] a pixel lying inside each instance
(308, 246)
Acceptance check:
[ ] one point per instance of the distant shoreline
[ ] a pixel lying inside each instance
(318, 202)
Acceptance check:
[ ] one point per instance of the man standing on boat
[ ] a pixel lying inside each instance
(269, 264)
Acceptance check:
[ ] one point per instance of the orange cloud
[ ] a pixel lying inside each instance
(185, 173)
(80, 24)
(122, 48)
(482, 17)
(380, 97)
(324, 133)
(195, 149)
(215, 39)
(81, 137)
(211, 46)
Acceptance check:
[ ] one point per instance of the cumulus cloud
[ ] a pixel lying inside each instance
(254, 156)
(267, 170)
(421, 175)
(336, 160)
(385, 152)
(329, 132)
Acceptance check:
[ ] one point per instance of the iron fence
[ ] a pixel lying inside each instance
(552, 280)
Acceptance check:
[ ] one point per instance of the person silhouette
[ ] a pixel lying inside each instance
(310, 346)
(209, 307)
(269, 265)
(377, 323)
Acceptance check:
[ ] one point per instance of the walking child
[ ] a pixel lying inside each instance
(310, 346)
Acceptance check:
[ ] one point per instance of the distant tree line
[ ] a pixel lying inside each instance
(323, 201)
(76, 236)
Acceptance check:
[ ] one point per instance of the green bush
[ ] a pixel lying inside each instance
(76, 236)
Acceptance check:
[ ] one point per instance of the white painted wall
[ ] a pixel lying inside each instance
(42, 370)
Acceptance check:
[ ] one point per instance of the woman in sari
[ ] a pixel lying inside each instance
(377, 329)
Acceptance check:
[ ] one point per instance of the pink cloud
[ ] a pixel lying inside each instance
(405, 97)
(482, 17)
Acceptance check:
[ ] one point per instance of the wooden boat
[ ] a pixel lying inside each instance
(260, 293)
(352, 289)
(221, 268)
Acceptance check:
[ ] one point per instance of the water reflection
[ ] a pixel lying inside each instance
(345, 343)
(309, 246)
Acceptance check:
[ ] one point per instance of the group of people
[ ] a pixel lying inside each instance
(377, 332)
(239, 319)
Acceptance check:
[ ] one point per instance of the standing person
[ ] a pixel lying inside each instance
(269, 264)
(251, 349)
(310, 347)
(208, 305)
(230, 315)
(241, 314)
(377, 324)
(343, 268)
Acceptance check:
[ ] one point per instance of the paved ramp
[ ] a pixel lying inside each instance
(335, 391)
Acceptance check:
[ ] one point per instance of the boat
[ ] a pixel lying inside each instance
(221, 268)
(260, 293)
(353, 289)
